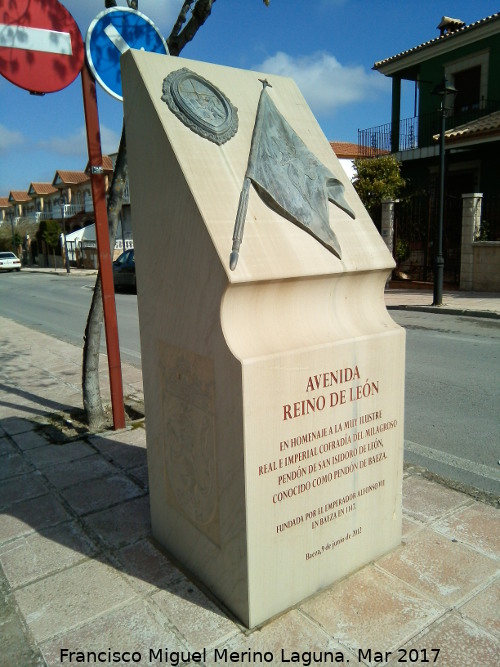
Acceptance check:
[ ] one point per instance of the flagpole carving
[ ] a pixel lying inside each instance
(239, 225)
(289, 179)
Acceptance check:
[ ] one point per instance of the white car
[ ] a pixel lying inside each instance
(9, 262)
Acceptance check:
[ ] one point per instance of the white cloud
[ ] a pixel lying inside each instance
(326, 83)
(110, 140)
(76, 144)
(73, 144)
(9, 138)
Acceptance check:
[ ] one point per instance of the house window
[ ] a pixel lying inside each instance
(468, 84)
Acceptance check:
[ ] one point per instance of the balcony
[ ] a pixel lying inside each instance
(416, 132)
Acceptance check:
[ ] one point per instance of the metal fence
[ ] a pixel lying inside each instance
(415, 236)
(490, 219)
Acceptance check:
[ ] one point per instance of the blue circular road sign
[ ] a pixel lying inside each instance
(110, 34)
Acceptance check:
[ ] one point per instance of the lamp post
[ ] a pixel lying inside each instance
(11, 218)
(447, 93)
(61, 202)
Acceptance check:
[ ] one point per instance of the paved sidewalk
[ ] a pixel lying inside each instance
(478, 304)
(80, 572)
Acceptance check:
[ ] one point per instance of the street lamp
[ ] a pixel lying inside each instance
(11, 218)
(61, 202)
(447, 93)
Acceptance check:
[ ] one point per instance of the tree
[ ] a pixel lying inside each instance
(51, 234)
(378, 179)
(182, 32)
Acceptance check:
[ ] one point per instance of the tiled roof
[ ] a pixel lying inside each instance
(41, 189)
(345, 149)
(70, 177)
(18, 196)
(442, 38)
(4, 202)
(348, 151)
(486, 126)
(107, 164)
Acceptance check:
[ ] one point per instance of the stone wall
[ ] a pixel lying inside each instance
(486, 266)
(480, 260)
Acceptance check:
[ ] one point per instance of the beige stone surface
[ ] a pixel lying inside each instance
(372, 609)
(478, 525)
(274, 392)
(484, 608)
(440, 568)
(292, 638)
(39, 554)
(196, 618)
(425, 501)
(130, 632)
(452, 642)
(30, 515)
(82, 592)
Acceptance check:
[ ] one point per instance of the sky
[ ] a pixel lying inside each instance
(327, 46)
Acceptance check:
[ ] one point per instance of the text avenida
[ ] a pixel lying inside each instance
(357, 391)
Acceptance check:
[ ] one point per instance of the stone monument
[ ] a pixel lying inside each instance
(273, 374)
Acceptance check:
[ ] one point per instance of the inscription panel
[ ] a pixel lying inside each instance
(324, 480)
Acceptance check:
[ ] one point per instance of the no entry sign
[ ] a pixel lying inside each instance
(41, 48)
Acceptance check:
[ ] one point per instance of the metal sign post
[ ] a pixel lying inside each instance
(103, 247)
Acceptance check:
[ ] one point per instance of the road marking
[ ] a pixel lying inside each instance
(116, 38)
(452, 460)
(35, 39)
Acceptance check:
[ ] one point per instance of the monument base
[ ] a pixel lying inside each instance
(277, 466)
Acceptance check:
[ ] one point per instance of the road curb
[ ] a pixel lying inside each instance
(448, 311)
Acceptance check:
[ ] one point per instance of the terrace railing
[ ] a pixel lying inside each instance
(417, 131)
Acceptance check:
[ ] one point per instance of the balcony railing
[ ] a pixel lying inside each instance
(418, 131)
(68, 210)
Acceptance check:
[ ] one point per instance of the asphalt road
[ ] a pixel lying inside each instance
(452, 393)
(58, 304)
(452, 396)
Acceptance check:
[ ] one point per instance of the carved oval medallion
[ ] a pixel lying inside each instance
(200, 105)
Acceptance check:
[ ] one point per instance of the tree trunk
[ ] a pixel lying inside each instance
(92, 400)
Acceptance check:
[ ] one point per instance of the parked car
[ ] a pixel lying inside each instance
(124, 270)
(9, 262)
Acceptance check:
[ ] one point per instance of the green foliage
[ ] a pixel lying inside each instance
(484, 232)
(6, 238)
(402, 250)
(378, 179)
(51, 232)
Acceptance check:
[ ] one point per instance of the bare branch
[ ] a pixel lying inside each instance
(181, 19)
(179, 36)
